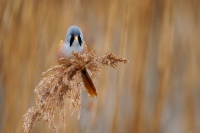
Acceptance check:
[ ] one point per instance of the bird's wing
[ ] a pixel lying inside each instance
(89, 86)
(60, 44)
(85, 47)
(60, 54)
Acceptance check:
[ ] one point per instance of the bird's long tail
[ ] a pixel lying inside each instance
(89, 86)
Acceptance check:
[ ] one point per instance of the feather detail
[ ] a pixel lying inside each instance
(89, 86)
(60, 44)
(60, 54)
(85, 47)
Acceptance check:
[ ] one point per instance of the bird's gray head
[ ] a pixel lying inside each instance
(74, 33)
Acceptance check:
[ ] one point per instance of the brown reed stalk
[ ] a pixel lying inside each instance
(64, 82)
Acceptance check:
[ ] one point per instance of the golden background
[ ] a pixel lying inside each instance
(158, 91)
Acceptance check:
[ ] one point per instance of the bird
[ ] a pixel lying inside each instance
(74, 42)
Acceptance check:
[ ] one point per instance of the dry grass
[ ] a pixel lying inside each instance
(64, 82)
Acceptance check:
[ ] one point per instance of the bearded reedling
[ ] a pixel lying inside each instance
(74, 42)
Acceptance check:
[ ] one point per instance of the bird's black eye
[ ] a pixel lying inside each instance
(71, 40)
(79, 40)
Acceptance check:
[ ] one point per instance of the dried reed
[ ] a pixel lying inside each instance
(64, 82)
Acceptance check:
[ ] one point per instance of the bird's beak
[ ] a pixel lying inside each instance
(76, 38)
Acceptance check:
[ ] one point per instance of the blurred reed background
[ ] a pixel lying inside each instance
(158, 91)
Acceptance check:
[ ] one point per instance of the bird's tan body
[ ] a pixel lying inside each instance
(66, 52)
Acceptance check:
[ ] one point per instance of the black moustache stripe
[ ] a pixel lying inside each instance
(71, 40)
(79, 40)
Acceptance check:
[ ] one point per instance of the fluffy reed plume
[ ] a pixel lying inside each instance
(64, 82)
